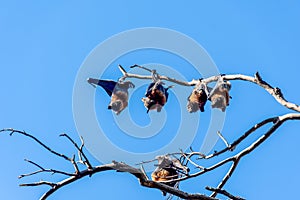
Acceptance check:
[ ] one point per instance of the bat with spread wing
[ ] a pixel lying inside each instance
(118, 91)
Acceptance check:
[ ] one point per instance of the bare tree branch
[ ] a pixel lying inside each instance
(53, 171)
(188, 158)
(161, 77)
(12, 131)
(122, 167)
(72, 160)
(242, 138)
(75, 164)
(236, 158)
(223, 139)
(80, 152)
(224, 192)
(275, 92)
(39, 183)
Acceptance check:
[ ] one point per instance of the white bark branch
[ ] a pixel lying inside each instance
(275, 92)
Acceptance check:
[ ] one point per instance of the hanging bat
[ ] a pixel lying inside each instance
(168, 169)
(156, 96)
(219, 96)
(118, 91)
(197, 99)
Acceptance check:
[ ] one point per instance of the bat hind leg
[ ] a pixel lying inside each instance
(202, 108)
(159, 108)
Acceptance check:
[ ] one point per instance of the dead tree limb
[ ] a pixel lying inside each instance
(225, 193)
(236, 158)
(117, 166)
(144, 181)
(274, 91)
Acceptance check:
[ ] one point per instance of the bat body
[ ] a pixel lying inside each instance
(219, 97)
(156, 96)
(118, 91)
(197, 100)
(168, 170)
(165, 174)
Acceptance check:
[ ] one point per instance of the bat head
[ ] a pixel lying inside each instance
(197, 100)
(128, 84)
(192, 106)
(166, 162)
(115, 106)
(219, 102)
(226, 85)
(220, 96)
(151, 104)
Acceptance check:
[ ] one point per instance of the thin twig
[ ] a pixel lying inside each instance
(44, 170)
(254, 145)
(224, 192)
(192, 162)
(80, 152)
(37, 140)
(143, 171)
(161, 77)
(77, 171)
(145, 162)
(53, 185)
(223, 139)
(35, 164)
(142, 67)
(238, 156)
(242, 138)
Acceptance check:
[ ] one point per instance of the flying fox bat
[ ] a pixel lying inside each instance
(167, 170)
(219, 96)
(118, 91)
(156, 96)
(197, 99)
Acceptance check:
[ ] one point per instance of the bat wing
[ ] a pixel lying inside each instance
(164, 91)
(107, 85)
(166, 94)
(149, 89)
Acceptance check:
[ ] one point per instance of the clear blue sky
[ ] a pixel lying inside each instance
(43, 45)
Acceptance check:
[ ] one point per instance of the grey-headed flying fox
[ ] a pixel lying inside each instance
(118, 91)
